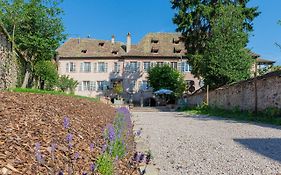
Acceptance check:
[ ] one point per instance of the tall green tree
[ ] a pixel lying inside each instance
(168, 78)
(209, 34)
(225, 59)
(36, 28)
(193, 19)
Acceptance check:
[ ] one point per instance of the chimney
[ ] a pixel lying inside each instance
(129, 42)
(112, 39)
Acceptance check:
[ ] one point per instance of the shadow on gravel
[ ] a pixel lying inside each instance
(269, 147)
(227, 120)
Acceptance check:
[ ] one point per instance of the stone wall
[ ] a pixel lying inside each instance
(242, 94)
(8, 63)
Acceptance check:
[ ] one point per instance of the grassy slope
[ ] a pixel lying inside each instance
(38, 91)
(270, 116)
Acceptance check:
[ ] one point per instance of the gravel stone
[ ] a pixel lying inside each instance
(201, 145)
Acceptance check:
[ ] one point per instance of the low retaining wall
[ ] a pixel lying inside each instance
(242, 94)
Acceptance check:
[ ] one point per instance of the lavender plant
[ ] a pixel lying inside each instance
(114, 148)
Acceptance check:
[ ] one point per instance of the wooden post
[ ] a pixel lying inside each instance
(207, 101)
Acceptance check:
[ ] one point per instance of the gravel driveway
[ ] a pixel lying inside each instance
(183, 144)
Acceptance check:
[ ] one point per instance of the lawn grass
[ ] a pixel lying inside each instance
(39, 91)
(269, 116)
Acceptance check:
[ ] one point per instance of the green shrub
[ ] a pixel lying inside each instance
(105, 164)
(66, 83)
(272, 112)
(47, 73)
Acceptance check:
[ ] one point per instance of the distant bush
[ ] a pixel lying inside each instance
(66, 83)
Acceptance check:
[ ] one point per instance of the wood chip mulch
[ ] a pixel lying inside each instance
(27, 119)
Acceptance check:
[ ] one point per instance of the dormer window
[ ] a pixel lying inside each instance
(177, 50)
(154, 50)
(101, 44)
(114, 52)
(155, 41)
(176, 40)
(84, 51)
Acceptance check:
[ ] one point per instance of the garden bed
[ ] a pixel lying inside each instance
(35, 134)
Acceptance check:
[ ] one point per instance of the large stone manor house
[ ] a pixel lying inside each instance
(99, 64)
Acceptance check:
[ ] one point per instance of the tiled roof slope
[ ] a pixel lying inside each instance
(164, 44)
(90, 48)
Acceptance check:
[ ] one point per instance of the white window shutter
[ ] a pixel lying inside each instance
(67, 67)
(94, 67)
(138, 66)
(82, 67)
(92, 86)
(118, 67)
(127, 67)
(179, 66)
(80, 88)
(106, 67)
(74, 67)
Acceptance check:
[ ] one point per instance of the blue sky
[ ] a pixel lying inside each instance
(102, 18)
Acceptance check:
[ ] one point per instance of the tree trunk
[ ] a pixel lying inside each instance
(42, 83)
(26, 78)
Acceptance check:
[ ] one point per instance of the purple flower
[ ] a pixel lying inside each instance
(136, 157)
(92, 167)
(104, 148)
(76, 156)
(116, 158)
(92, 147)
(66, 122)
(60, 173)
(111, 132)
(38, 155)
(141, 157)
(53, 147)
(84, 173)
(69, 137)
(138, 133)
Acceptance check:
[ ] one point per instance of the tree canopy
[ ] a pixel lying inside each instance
(36, 28)
(225, 59)
(193, 19)
(215, 33)
(168, 78)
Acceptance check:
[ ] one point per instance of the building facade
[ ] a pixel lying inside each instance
(99, 64)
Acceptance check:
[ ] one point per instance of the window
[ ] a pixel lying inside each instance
(84, 51)
(143, 85)
(70, 67)
(160, 63)
(102, 67)
(87, 86)
(176, 40)
(102, 85)
(176, 50)
(185, 67)
(174, 65)
(154, 50)
(134, 66)
(155, 41)
(146, 66)
(116, 67)
(132, 84)
(114, 52)
(85, 67)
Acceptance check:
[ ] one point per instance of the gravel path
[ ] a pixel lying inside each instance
(182, 144)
